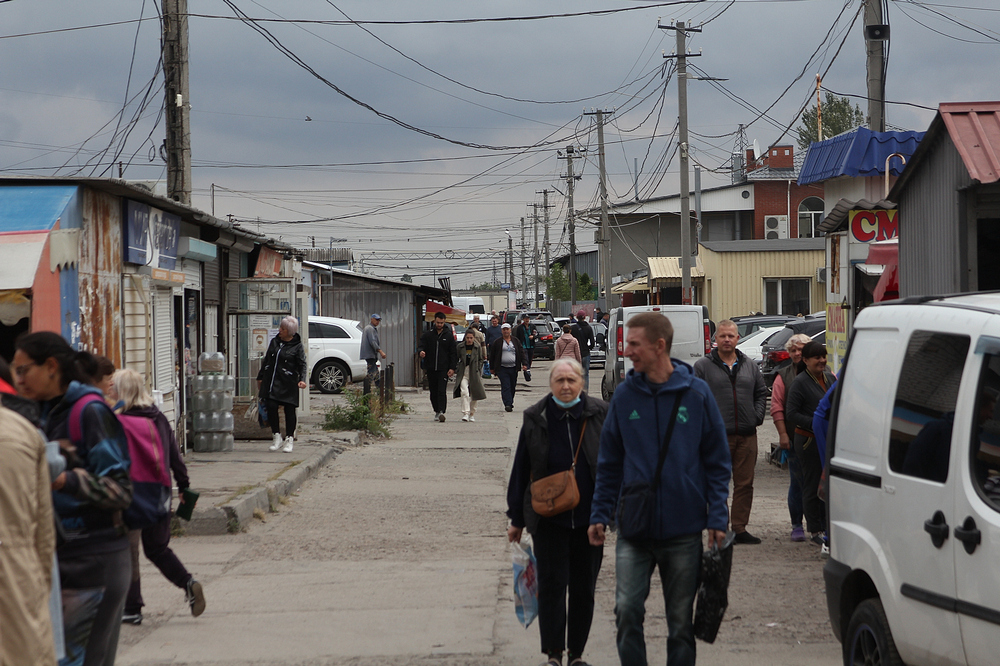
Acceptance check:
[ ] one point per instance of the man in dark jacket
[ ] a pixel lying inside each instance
(437, 349)
(741, 394)
(525, 334)
(584, 334)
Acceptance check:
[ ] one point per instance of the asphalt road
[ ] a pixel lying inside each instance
(396, 554)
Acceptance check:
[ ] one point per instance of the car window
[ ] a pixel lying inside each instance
(327, 331)
(314, 330)
(924, 409)
(984, 452)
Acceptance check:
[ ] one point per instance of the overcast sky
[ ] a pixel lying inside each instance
(282, 146)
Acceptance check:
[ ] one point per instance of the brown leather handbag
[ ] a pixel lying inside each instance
(556, 493)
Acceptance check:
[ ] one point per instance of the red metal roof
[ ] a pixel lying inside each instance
(974, 128)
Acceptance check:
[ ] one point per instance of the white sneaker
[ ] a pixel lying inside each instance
(465, 417)
(277, 442)
(472, 418)
(288, 444)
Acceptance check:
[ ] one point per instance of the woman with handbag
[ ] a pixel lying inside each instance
(281, 375)
(549, 493)
(469, 376)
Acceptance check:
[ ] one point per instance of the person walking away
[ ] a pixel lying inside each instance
(94, 563)
(27, 544)
(691, 492)
(584, 335)
(525, 334)
(469, 376)
(779, 388)
(803, 397)
(560, 432)
(155, 539)
(506, 356)
(741, 394)
(567, 346)
(279, 379)
(437, 348)
(371, 347)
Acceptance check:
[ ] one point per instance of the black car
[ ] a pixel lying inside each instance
(545, 340)
(775, 357)
(747, 325)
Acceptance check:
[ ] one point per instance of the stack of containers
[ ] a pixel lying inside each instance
(212, 404)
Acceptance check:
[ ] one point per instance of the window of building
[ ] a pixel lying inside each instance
(810, 216)
(787, 296)
(924, 411)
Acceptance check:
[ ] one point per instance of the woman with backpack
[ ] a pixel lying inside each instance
(88, 497)
(136, 402)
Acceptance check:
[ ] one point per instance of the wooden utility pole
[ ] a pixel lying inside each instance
(571, 221)
(545, 207)
(819, 110)
(178, 105)
(875, 34)
(534, 254)
(524, 273)
(605, 243)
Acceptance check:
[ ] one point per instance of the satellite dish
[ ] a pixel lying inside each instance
(756, 150)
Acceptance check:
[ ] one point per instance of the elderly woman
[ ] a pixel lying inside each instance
(803, 397)
(469, 376)
(561, 432)
(779, 389)
(281, 375)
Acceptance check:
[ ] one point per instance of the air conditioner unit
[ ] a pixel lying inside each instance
(775, 227)
(821, 275)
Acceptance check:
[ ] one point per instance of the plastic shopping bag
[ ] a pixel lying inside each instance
(486, 370)
(713, 592)
(525, 583)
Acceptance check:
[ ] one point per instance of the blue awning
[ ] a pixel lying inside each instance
(860, 153)
(33, 207)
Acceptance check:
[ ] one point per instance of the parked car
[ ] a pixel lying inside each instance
(693, 332)
(752, 344)
(913, 464)
(513, 317)
(747, 325)
(545, 339)
(773, 351)
(335, 353)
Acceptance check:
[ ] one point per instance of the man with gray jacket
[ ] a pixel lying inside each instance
(741, 394)
(371, 347)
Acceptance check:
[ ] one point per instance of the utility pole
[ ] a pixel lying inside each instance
(605, 254)
(875, 33)
(510, 258)
(534, 254)
(571, 221)
(545, 207)
(682, 56)
(178, 105)
(524, 274)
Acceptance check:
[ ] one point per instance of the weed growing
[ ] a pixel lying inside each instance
(364, 412)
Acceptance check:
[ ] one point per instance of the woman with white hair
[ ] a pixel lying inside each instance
(561, 432)
(135, 400)
(281, 375)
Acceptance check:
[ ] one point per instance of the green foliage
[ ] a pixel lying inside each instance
(838, 117)
(586, 289)
(558, 289)
(485, 286)
(363, 412)
(406, 278)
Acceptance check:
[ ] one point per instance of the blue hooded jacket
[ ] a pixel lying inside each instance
(694, 485)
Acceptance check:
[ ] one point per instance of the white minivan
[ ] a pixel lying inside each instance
(692, 338)
(913, 466)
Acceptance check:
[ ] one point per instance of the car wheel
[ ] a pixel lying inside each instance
(868, 640)
(604, 390)
(331, 376)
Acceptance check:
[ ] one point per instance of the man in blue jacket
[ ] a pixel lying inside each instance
(691, 495)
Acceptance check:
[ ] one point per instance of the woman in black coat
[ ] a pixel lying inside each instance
(281, 376)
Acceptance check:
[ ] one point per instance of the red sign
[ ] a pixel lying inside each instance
(873, 225)
(268, 263)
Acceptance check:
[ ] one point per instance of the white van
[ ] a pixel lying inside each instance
(914, 485)
(692, 339)
(473, 305)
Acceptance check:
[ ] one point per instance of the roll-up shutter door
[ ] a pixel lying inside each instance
(163, 340)
(211, 328)
(211, 284)
(192, 274)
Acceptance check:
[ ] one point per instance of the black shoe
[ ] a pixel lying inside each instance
(746, 537)
(195, 597)
(509, 408)
(441, 417)
(132, 618)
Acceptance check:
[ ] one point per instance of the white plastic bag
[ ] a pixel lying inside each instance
(525, 582)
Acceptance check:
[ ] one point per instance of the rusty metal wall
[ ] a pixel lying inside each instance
(357, 298)
(100, 274)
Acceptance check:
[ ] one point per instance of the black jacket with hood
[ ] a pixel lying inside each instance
(283, 368)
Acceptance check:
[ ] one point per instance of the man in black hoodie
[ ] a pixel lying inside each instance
(741, 394)
(440, 354)
(584, 334)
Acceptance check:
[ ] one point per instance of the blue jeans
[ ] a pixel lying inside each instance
(794, 489)
(508, 384)
(679, 561)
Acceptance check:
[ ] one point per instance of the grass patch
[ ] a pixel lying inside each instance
(284, 469)
(240, 491)
(364, 412)
(259, 514)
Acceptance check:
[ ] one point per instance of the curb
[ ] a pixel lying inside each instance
(235, 515)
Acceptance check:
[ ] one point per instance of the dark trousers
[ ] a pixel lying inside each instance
(110, 571)
(508, 384)
(565, 560)
(373, 373)
(272, 418)
(794, 488)
(811, 469)
(437, 384)
(529, 352)
(156, 545)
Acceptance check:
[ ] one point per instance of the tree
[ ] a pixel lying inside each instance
(586, 290)
(558, 288)
(406, 278)
(485, 286)
(838, 117)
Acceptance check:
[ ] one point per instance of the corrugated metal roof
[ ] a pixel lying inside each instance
(32, 207)
(975, 129)
(781, 245)
(858, 153)
(837, 219)
(669, 268)
(638, 284)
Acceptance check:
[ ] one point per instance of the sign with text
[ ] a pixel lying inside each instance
(873, 225)
(151, 236)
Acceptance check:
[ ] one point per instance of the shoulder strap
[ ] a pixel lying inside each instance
(76, 416)
(579, 444)
(666, 440)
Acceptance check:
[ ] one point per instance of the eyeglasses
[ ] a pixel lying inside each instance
(22, 370)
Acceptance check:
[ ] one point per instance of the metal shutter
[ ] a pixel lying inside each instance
(164, 378)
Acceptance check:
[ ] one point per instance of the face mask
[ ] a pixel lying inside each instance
(567, 405)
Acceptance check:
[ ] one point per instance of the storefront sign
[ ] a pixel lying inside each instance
(268, 263)
(873, 225)
(150, 236)
(836, 336)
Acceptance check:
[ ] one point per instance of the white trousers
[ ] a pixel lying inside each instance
(468, 404)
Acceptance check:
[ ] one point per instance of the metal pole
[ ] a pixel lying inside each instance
(534, 219)
(605, 224)
(686, 298)
(571, 222)
(545, 205)
(697, 205)
(876, 69)
(524, 274)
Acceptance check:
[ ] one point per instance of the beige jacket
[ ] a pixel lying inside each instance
(27, 542)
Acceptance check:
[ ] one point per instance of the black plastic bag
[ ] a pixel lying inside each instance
(713, 589)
